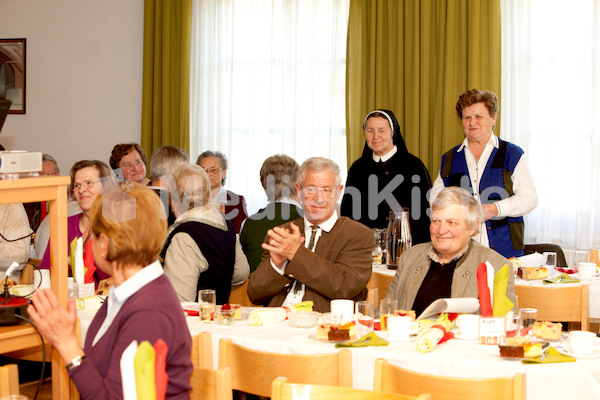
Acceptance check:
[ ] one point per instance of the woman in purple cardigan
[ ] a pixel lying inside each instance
(127, 234)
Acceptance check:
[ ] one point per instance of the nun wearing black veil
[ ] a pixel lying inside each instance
(385, 176)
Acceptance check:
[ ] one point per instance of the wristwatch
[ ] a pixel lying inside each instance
(76, 362)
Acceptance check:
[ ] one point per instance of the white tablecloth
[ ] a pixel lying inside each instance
(458, 358)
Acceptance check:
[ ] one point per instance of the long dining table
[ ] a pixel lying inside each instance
(454, 358)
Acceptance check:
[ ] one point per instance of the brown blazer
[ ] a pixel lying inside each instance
(339, 268)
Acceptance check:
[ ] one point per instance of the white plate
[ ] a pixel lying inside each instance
(585, 278)
(314, 337)
(563, 336)
(565, 351)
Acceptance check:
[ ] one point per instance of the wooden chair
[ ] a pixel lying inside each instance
(202, 355)
(391, 378)
(381, 282)
(282, 390)
(239, 295)
(253, 371)
(211, 384)
(557, 303)
(9, 380)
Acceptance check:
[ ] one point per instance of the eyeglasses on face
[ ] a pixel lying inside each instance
(85, 185)
(129, 165)
(313, 191)
(212, 170)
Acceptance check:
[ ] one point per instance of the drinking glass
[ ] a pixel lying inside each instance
(550, 257)
(387, 307)
(513, 322)
(207, 302)
(529, 317)
(380, 246)
(364, 317)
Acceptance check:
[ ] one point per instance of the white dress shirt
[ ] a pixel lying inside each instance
(522, 202)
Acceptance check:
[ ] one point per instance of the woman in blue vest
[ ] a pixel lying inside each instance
(493, 170)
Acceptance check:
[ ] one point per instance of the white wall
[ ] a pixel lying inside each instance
(83, 76)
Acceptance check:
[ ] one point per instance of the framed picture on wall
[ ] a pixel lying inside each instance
(12, 73)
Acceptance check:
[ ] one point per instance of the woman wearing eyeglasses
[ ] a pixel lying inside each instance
(131, 159)
(233, 206)
(88, 179)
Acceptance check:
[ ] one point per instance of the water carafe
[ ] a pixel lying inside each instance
(398, 236)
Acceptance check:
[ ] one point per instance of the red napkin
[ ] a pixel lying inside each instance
(160, 369)
(88, 263)
(485, 302)
(447, 334)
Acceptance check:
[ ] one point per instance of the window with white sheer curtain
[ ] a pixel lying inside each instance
(551, 108)
(268, 77)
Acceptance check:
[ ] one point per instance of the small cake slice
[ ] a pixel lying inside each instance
(532, 272)
(329, 331)
(520, 347)
(547, 330)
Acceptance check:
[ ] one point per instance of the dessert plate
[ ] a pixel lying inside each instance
(384, 336)
(314, 337)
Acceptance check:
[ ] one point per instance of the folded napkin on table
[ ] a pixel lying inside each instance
(370, 339)
(128, 371)
(550, 356)
(160, 371)
(485, 300)
(267, 316)
(562, 278)
(144, 364)
(501, 304)
(437, 333)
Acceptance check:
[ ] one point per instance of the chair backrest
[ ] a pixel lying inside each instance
(253, 371)
(391, 378)
(202, 354)
(9, 380)
(557, 303)
(381, 282)
(239, 295)
(282, 390)
(211, 384)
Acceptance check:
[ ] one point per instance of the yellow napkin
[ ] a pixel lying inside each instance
(370, 339)
(550, 356)
(143, 363)
(428, 340)
(302, 306)
(501, 304)
(562, 278)
(267, 316)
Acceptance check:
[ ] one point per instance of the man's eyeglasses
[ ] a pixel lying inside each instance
(212, 170)
(85, 185)
(313, 191)
(129, 165)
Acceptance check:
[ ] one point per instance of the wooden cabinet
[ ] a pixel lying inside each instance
(54, 190)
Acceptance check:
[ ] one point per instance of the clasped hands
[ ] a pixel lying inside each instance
(283, 243)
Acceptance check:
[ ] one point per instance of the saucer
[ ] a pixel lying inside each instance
(460, 337)
(585, 278)
(595, 354)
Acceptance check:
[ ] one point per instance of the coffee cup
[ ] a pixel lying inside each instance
(400, 328)
(581, 342)
(587, 269)
(468, 326)
(343, 308)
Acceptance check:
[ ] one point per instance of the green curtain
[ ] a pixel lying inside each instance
(166, 76)
(415, 57)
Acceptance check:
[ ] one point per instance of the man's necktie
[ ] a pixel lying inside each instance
(311, 245)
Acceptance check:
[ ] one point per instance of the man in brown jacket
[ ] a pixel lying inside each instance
(333, 263)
